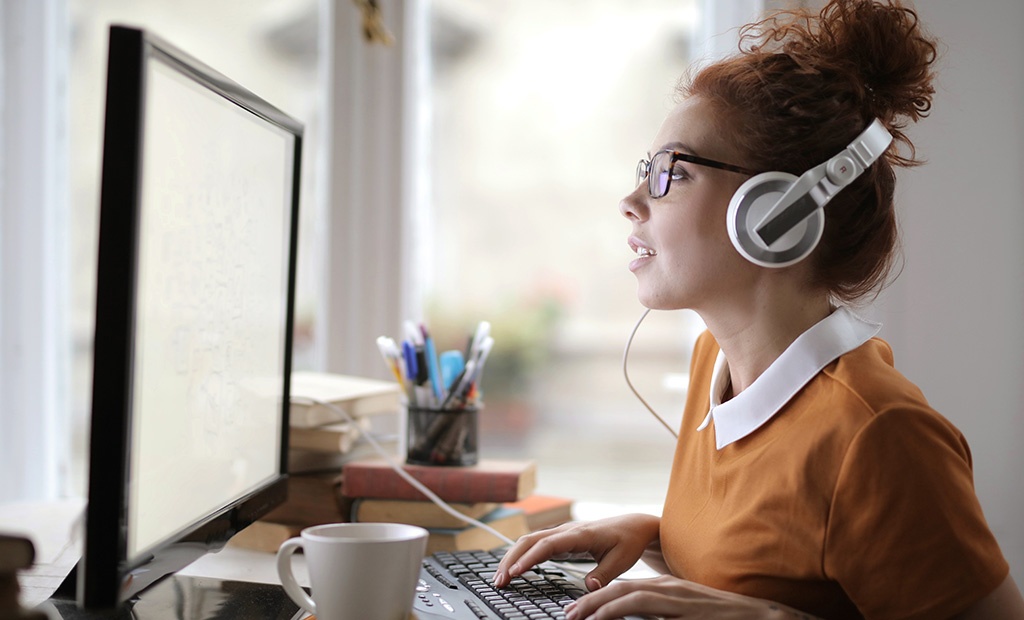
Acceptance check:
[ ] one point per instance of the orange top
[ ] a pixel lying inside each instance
(855, 500)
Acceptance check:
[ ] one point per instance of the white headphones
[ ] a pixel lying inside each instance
(776, 219)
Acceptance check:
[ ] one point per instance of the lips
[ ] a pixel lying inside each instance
(644, 253)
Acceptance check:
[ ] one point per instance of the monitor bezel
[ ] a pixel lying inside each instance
(105, 576)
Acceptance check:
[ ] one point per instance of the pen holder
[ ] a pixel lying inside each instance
(442, 436)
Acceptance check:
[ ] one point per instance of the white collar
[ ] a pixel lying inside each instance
(838, 333)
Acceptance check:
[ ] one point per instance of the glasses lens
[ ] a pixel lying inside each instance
(661, 174)
(641, 171)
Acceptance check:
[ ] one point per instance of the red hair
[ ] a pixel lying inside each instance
(803, 87)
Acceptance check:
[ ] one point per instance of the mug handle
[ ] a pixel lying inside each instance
(284, 571)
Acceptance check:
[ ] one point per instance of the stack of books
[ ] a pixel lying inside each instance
(336, 477)
(321, 440)
(499, 493)
(16, 553)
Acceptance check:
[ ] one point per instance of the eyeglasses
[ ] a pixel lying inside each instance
(658, 171)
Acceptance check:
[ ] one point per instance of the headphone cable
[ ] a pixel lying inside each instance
(625, 373)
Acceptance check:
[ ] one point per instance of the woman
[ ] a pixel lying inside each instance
(810, 477)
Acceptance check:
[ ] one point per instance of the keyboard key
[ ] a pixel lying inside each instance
(538, 594)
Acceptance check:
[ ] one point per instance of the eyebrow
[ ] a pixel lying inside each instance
(676, 146)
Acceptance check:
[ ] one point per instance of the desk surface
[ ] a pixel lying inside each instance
(54, 527)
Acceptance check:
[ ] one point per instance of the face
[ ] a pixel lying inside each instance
(684, 258)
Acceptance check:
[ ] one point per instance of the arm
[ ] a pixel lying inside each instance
(1003, 602)
(655, 559)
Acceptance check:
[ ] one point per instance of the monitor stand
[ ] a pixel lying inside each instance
(190, 598)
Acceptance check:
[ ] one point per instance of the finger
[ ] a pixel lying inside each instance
(588, 604)
(621, 601)
(515, 552)
(535, 548)
(609, 566)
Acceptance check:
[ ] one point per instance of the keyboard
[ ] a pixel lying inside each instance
(457, 586)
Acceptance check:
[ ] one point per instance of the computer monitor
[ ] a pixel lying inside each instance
(194, 311)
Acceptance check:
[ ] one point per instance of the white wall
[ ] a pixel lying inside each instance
(955, 317)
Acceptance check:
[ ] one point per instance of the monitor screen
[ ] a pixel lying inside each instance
(195, 290)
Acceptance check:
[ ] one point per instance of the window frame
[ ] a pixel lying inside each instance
(372, 206)
(35, 336)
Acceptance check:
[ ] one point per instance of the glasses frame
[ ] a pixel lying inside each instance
(643, 169)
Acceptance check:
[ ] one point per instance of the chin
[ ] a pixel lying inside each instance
(654, 301)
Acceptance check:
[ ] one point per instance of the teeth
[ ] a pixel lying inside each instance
(642, 252)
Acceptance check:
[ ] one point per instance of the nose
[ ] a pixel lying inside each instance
(634, 205)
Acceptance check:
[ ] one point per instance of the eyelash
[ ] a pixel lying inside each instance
(679, 173)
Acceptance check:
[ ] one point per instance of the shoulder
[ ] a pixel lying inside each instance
(867, 376)
(872, 410)
(904, 517)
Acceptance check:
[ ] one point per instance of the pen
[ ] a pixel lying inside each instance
(482, 352)
(453, 390)
(433, 381)
(461, 385)
(481, 358)
(389, 351)
(483, 331)
(412, 334)
(432, 369)
(409, 355)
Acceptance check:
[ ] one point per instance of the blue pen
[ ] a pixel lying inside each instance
(409, 354)
(419, 396)
(432, 369)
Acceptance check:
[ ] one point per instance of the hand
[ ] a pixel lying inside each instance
(615, 544)
(668, 598)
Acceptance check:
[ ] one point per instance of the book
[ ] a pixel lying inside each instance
(544, 511)
(487, 481)
(265, 536)
(339, 437)
(313, 499)
(412, 512)
(302, 461)
(16, 552)
(509, 521)
(357, 396)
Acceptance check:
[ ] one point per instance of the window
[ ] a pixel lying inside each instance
(524, 121)
(538, 114)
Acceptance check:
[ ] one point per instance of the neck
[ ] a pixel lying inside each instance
(755, 334)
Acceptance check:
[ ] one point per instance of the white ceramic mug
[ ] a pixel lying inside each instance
(357, 571)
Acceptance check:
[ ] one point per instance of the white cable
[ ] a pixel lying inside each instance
(419, 486)
(625, 373)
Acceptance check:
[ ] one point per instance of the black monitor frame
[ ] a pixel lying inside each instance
(105, 578)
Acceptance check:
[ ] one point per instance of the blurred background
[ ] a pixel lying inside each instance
(533, 244)
(471, 171)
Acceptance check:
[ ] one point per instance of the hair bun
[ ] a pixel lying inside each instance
(879, 50)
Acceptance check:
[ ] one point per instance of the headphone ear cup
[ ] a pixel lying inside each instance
(748, 207)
